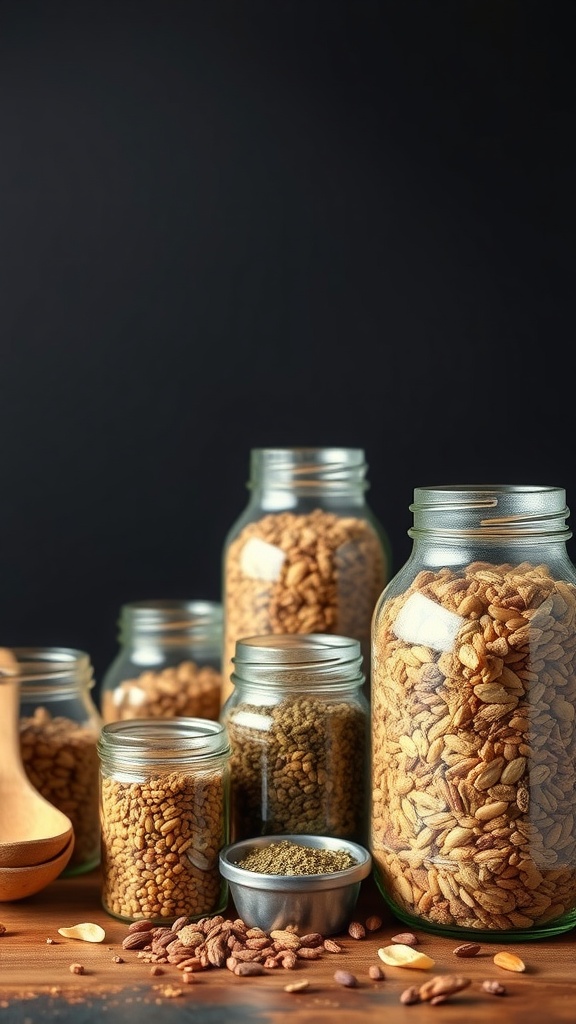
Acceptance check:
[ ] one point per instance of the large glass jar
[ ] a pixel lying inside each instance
(473, 826)
(168, 663)
(164, 809)
(307, 554)
(59, 729)
(298, 726)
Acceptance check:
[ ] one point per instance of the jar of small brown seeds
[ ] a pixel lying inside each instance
(307, 554)
(473, 822)
(59, 729)
(298, 726)
(164, 809)
(168, 663)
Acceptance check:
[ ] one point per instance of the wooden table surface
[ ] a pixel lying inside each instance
(36, 984)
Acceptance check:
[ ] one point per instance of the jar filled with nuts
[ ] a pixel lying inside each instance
(168, 663)
(59, 729)
(473, 828)
(298, 726)
(307, 555)
(164, 810)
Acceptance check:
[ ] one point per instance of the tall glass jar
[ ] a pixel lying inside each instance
(164, 810)
(298, 726)
(168, 664)
(473, 829)
(59, 729)
(307, 554)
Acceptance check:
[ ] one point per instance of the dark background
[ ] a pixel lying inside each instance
(227, 225)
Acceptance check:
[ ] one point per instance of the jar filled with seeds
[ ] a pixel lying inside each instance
(59, 729)
(307, 554)
(473, 822)
(164, 809)
(298, 726)
(169, 662)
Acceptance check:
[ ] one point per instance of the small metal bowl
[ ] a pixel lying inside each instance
(311, 903)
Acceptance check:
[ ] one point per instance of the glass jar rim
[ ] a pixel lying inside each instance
(44, 667)
(160, 740)
(294, 657)
(490, 512)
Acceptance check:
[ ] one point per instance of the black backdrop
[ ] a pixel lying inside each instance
(226, 225)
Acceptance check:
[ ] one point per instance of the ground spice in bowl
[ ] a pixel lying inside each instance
(287, 858)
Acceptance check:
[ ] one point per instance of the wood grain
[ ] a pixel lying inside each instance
(36, 983)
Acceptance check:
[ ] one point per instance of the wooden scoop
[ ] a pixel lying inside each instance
(32, 830)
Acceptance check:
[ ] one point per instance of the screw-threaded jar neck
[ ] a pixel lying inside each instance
(309, 471)
(490, 512)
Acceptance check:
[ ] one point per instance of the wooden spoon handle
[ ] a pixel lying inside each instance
(11, 760)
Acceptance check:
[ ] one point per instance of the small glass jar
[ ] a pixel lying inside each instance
(169, 662)
(164, 809)
(307, 554)
(59, 729)
(473, 830)
(298, 726)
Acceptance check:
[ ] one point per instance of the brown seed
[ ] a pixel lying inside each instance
(135, 940)
(495, 988)
(332, 947)
(117, 960)
(346, 978)
(356, 930)
(76, 969)
(375, 972)
(2, 929)
(188, 978)
(248, 969)
(467, 949)
(442, 985)
(311, 940)
(405, 939)
(141, 926)
(372, 924)
(156, 970)
(410, 995)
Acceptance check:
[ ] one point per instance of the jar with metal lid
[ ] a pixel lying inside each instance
(298, 726)
(59, 729)
(307, 554)
(164, 809)
(169, 662)
(473, 821)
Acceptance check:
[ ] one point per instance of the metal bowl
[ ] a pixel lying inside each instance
(310, 903)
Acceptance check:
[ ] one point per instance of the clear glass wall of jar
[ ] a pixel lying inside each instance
(164, 807)
(473, 829)
(169, 662)
(59, 729)
(307, 554)
(298, 726)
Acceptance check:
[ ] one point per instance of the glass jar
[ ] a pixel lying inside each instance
(169, 662)
(473, 829)
(59, 729)
(164, 809)
(307, 554)
(297, 720)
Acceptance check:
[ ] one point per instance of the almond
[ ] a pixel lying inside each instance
(509, 962)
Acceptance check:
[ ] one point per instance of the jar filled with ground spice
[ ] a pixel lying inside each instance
(164, 810)
(307, 554)
(59, 729)
(298, 726)
(473, 829)
(168, 664)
